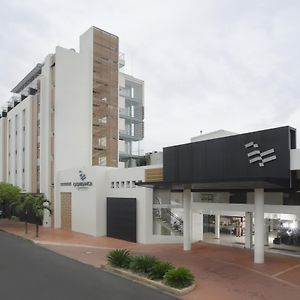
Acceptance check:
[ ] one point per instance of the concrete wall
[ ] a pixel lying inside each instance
(124, 179)
(3, 149)
(19, 147)
(46, 93)
(212, 135)
(88, 204)
(73, 110)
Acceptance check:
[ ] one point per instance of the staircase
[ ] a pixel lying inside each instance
(168, 220)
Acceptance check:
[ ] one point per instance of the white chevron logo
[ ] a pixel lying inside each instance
(257, 156)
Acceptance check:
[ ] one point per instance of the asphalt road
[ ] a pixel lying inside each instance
(29, 272)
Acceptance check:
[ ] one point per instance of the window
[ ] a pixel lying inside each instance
(207, 197)
(122, 184)
(133, 184)
(38, 150)
(103, 120)
(128, 184)
(112, 185)
(117, 184)
(102, 141)
(38, 127)
(102, 161)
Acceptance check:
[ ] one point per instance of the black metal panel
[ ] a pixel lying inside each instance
(226, 159)
(121, 218)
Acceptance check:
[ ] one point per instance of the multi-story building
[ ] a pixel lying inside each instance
(76, 117)
(75, 109)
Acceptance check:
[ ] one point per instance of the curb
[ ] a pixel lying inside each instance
(148, 282)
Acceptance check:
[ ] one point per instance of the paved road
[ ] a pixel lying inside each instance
(29, 272)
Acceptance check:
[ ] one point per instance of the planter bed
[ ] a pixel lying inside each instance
(146, 281)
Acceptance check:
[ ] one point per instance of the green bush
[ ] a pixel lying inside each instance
(142, 264)
(15, 218)
(159, 269)
(179, 278)
(119, 258)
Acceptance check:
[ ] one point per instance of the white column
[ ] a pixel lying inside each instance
(201, 227)
(248, 230)
(187, 220)
(217, 226)
(259, 226)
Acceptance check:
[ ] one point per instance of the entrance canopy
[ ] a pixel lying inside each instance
(247, 161)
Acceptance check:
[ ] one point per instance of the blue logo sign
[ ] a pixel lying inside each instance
(82, 175)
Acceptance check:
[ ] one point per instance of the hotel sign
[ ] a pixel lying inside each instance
(82, 184)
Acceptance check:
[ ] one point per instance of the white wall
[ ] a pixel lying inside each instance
(295, 159)
(142, 195)
(212, 135)
(73, 110)
(16, 142)
(46, 92)
(3, 144)
(88, 204)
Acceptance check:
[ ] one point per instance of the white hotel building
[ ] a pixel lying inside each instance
(74, 123)
(74, 109)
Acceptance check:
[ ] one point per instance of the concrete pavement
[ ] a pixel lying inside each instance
(221, 272)
(29, 272)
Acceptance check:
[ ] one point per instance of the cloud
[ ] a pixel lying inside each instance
(206, 64)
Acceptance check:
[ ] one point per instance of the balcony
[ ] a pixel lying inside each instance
(124, 113)
(125, 135)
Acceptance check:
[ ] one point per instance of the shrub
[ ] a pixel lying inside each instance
(15, 218)
(142, 264)
(179, 278)
(119, 258)
(159, 269)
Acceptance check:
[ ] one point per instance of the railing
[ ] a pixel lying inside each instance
(173, 222)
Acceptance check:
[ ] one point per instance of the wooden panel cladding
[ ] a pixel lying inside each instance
(66, 211)
(105, 98)
(154, 175)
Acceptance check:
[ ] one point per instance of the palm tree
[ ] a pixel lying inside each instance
(39, 205)
(24, 205)
(35, 205)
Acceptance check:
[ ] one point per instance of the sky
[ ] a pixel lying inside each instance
(207, 65)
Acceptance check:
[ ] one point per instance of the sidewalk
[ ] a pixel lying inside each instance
(221, 272)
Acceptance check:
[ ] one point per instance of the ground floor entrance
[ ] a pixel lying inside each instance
(252, 221)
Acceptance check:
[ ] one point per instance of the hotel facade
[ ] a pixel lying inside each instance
(74, 109)
(72, 131)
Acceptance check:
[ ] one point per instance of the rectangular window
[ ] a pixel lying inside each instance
(103, 120)
(102, 161)
(112, 185)
(102, 141)
(38, 150)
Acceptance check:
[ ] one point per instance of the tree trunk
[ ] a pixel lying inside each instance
(26, 222)
(37, 230)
